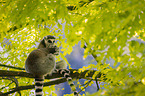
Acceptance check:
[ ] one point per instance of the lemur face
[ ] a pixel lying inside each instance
(49, 40)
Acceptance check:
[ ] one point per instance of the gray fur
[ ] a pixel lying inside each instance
(40, 62)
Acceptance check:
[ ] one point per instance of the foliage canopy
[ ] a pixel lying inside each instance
(109, 30)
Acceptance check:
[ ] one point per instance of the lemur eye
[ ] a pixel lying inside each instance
(49, 41)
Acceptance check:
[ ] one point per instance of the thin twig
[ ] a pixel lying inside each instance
(86, 85)
(97, 85)
(6, 86)
(95, 57)
(8, 66)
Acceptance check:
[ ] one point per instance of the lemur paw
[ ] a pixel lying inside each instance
(53, 49)
(51, 46)
(56, 51)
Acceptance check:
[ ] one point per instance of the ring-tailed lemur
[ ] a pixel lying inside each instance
(41, 62)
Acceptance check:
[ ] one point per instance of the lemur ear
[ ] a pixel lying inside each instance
(45, 37)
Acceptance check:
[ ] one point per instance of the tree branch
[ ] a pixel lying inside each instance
(20, 88)
(73, 73)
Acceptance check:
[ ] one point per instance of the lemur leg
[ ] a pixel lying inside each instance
(61, 65)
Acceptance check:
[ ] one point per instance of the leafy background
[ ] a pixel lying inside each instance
(110, 33)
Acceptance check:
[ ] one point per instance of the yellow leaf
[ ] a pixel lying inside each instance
(118, 68)
(143, 80)
(115, 40)
(118, 59)
(85, 56)
(131, 58)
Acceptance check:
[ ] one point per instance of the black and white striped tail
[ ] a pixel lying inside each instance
(66, 74)
(39, 86)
